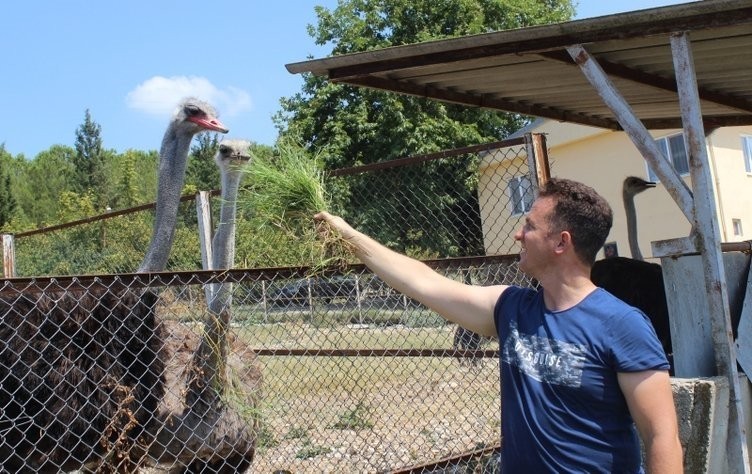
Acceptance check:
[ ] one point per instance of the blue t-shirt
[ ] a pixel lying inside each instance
(561, 406)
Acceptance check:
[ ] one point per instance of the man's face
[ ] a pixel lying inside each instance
(536, 238)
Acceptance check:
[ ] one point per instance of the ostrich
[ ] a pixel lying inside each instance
(633, 280)
(81, 369)
(201, 431)
(209, 378)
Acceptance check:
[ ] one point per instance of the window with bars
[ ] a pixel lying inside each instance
(675, 151)
(738, 231)
(520, 194)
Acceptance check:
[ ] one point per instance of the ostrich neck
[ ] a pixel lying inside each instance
(211, 355)
(629, 209)
(223, 244)
(171, 175)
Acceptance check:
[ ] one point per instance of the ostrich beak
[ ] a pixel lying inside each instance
(209, 124)
(650, 184)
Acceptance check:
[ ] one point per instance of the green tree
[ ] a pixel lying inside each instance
(202, 173)
(7, 200)
(348, 125)
(90, 160)
(127, 184)
(42, 181)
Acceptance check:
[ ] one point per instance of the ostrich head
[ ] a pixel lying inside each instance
(633, 185)
(193, 115)
(232, 153)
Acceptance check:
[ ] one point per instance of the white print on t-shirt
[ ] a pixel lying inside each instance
(545, 360)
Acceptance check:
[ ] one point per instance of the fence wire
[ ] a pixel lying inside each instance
(333, 372)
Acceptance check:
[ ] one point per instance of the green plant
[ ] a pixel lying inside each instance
(309, 450)
(287, 190)
(355, 419)
(297, 432)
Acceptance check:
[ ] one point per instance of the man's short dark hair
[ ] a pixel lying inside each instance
(582, 212)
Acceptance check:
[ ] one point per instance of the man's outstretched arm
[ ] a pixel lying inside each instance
(469, 306)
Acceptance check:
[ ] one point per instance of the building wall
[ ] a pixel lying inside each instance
(602, 159)
(734, 193)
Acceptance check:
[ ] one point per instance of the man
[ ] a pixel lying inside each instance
(579, 368)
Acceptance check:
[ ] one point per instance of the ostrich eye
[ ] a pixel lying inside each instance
(224, 149)
(192, 110)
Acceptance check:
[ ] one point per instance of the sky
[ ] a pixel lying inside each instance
(130, 62)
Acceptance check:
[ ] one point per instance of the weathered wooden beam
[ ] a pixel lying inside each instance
(9, 256)
(634, 129)
(709, 241)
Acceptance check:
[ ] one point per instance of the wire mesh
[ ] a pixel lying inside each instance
(298, 372)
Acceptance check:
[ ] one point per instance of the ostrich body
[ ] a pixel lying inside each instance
(81, 370)
(632, 280)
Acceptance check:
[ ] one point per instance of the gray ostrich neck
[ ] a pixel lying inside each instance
(211, 356)
(631, 213)
(171, 175)
(223, 244)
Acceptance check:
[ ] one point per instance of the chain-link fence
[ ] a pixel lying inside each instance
(291, 372)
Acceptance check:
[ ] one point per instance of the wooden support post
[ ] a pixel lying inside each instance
(203, 212)
(9, 256)
(709, 243)
(537, 160)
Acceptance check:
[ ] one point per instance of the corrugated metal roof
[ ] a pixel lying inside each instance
(529, 71)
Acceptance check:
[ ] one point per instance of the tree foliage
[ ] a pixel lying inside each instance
(7, 200)
(202, 172)
(89, 160)
(350, 126)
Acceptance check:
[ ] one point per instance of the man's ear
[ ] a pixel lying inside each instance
(565, 241)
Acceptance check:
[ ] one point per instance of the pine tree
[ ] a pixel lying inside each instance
(89, 160)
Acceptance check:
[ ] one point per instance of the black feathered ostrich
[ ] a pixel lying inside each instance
(81, 372)
(633, 280)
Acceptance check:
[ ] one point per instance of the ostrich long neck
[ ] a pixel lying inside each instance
(211, 357)
(171, 175)
(223, 244)
(224, 240)
(631, 213)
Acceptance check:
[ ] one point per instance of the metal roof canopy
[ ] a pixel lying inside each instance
(529, 70)
(685, 66)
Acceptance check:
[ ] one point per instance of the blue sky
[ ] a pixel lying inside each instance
(129, 63)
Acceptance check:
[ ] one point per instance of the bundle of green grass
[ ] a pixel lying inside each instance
(286, 190)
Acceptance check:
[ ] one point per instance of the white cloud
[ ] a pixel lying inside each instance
(159, 95)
